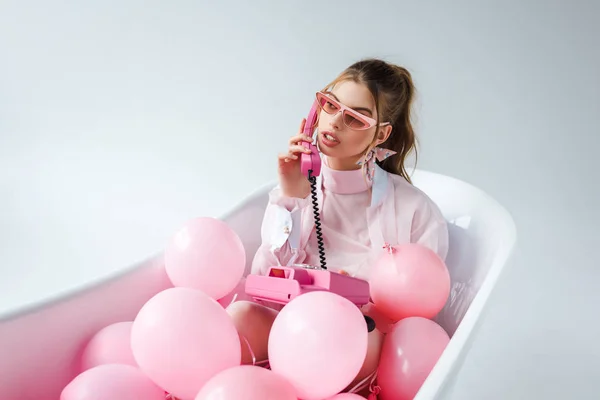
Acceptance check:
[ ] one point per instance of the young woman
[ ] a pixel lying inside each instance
(364, 133)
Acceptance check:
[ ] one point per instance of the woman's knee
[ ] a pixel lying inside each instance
(247, 312)
(240, 309)
(371, 362)
(253, 323)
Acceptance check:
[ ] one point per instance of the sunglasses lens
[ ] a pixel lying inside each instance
(328, 105)
(353, 121)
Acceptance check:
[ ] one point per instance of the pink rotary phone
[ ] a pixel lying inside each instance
(282, 284)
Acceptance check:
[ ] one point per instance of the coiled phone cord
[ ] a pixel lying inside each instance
(313, 190)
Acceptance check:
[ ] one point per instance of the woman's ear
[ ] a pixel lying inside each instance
(384, 134)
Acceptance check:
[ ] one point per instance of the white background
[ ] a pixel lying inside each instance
(120, 120)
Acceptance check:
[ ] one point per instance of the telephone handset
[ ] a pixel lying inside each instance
(310, 165)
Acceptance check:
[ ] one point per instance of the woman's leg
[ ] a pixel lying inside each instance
(253, 322)
(372, 358)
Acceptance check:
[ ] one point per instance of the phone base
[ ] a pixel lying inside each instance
(283, 284)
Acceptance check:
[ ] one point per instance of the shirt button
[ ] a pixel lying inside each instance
(286, 230)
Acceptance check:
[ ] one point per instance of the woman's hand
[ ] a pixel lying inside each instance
(293, 183)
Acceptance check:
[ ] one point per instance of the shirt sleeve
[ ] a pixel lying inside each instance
(430, 229)
(281, 224)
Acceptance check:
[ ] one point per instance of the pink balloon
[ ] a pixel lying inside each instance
(318, 342)
(181, 338)
(237, 294)
(410, 280)
(112, 381)
(409, 353)
(206, 254)
(110, 345)
(247, 382)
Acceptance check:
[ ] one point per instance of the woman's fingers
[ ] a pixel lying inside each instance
(295, 144)
(292, 154)
(285, 157)
(302, 124)
(293, 151)
(297, 148)
(300, 138)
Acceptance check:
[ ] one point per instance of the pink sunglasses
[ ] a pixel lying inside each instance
(352, 119)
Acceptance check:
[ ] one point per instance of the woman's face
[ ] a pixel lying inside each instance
(343, 145)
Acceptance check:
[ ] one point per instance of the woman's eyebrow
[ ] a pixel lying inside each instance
(354, 108)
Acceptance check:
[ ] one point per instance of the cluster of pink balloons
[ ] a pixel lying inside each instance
(409, 285)
(183, 343)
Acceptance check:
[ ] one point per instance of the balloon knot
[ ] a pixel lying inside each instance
(375, 390)
(390, 249)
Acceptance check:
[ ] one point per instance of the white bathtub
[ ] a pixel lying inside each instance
(40, 346)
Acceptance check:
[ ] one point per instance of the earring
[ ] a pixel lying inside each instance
(368, 160)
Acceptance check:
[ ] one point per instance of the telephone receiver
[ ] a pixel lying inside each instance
(310, 164)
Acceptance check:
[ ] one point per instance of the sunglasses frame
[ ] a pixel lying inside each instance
(370, 122)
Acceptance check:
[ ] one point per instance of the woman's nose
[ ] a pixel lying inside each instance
(336, 120)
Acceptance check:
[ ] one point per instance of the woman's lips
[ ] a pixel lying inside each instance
(329, 139)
